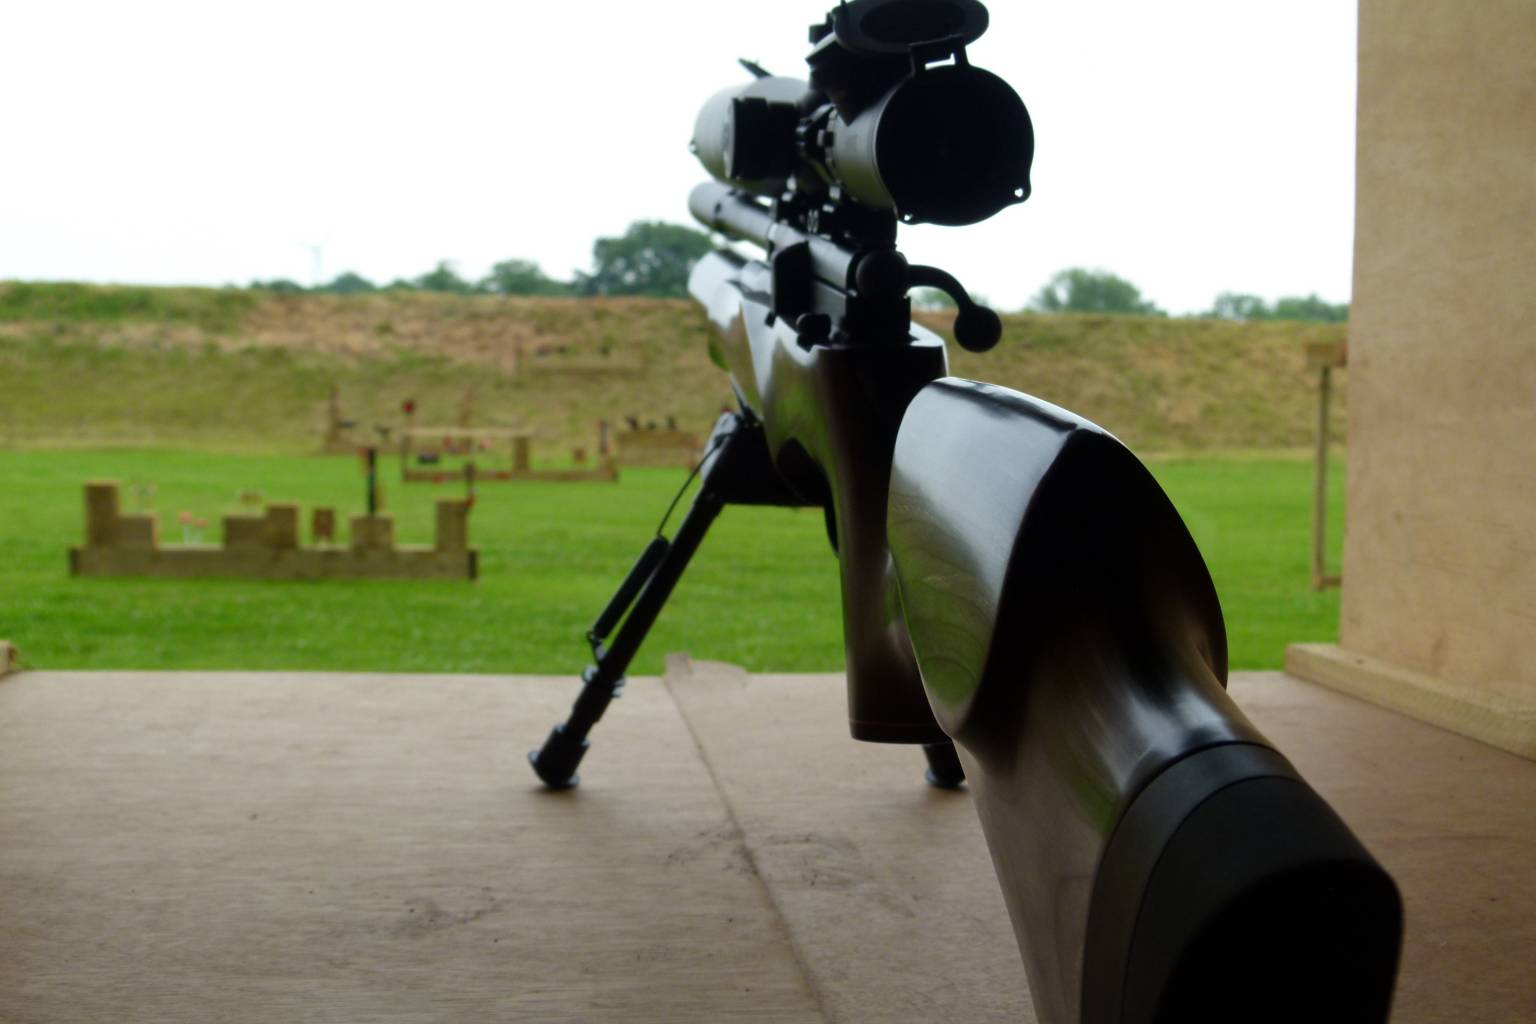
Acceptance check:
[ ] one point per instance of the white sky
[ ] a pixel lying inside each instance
(1192, 146)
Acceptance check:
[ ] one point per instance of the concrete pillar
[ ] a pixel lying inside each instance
(1440, 545)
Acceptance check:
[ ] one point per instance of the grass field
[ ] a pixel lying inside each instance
(762, 593)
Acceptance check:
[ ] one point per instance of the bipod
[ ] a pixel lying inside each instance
(736, 468)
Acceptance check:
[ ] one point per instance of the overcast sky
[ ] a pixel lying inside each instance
(1192, 146)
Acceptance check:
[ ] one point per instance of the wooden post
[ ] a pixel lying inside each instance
(137, 532)
(245, 531)
(373, 533)
(283, 527)
(372, 458)
(1320, 484)
(333, 420)
(8, 658)
(452, 525)
(322, 525)
(100, 513)
(1324, 357)
(520, 461)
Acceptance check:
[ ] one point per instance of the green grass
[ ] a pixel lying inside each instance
(762, 592)
(215, 310)
(1252, 517)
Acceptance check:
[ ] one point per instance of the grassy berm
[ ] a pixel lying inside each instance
(238, 370)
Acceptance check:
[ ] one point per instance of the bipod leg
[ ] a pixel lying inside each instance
(644, 591)
(944, 768)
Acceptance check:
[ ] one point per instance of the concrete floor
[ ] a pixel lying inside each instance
(324, 847)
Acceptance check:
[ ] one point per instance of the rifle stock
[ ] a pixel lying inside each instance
(1160, 861)
(830, 416)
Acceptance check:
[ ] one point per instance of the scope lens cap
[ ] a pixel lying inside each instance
(954, 145)
(895, 26)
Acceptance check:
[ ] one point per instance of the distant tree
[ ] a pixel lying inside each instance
(1078, 290)
(1310, 308)
(348, 284)
(520, 277)
(1239, 306)
(281, 285)
(932, 299)
(1235, 306)
(650, 258)
(443, 278)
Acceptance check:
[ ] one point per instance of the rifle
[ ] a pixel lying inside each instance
(1019, 596)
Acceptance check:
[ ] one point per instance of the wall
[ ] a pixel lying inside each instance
(1440, 549)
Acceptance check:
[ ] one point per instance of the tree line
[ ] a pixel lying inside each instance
(1079, 290)
(653, 258)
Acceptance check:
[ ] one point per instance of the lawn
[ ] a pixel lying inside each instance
(762, 592)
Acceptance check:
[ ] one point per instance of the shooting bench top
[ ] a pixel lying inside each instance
(277, 847)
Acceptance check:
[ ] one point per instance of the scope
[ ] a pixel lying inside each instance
(894, 117)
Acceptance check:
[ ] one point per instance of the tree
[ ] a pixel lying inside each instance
(1239, 306)
(443, 278)
(650, 258)
(520, 277)
(348, 284)
(280, 285)
(933, 299)
(1078, 290)
(1310, 308)
(1235, 306)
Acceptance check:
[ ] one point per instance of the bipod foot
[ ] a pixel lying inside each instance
(555, 762)
(944, 768)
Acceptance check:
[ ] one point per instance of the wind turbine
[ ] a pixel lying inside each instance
(317, 255)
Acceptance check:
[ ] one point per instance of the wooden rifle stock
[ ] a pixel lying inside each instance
(1160, 860)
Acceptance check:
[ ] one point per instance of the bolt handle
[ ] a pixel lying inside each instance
(977, 328)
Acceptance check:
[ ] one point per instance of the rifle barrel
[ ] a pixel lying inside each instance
(721, 208)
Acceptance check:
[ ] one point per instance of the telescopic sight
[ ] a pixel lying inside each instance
(893, 117)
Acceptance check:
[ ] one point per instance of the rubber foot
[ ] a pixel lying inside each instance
(944, 768)
(555, 762)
